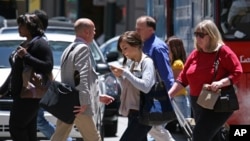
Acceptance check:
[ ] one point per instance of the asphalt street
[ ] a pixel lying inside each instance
(122, 124)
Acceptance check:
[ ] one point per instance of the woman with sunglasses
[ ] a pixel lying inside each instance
(199, 70)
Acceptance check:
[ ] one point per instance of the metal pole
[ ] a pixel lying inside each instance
(150, 7)
(110, 19)
(62, 8)
(156, 9)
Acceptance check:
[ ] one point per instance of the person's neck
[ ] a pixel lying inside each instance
(81, 39)
(209, 50)
(138, 58)
(28, 38)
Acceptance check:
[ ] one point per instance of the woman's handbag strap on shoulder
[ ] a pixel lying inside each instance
(216, 64)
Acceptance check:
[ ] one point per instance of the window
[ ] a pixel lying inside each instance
(235, 19)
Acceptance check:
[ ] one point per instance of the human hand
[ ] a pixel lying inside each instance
(214, 86)
(171, 96)
(117, 71)
(21, 51)
(79, 109)
(106, 99)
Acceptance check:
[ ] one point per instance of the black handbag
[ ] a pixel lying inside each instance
(155, 106)
(60, 100)
(227, 101)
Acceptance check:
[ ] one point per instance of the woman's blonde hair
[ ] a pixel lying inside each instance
(209, 27)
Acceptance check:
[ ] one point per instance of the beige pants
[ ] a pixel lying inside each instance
(84, 123)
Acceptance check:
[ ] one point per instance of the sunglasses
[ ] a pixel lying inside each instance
(200, 34)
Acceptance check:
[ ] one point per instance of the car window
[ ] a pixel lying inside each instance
(11, 30)
(57, 48)
(55, 30)
(111, 47)
(6, 47)
(96, 53)
(63, 31)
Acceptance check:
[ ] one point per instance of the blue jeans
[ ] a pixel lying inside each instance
(183, 102)
(45, 126)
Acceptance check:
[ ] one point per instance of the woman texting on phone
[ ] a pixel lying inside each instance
(139, 76)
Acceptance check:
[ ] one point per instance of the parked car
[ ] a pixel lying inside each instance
(109, 48)
(50, 29)
(58, 42)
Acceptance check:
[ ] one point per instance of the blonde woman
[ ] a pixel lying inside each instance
(199, 69)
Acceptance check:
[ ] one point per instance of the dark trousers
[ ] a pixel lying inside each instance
(23, 118)
(208, 122)
(135, 131)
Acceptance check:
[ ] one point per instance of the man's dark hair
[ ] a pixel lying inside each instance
(42, 15)
(151, 22)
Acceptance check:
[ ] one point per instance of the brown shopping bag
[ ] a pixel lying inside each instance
(207, 98)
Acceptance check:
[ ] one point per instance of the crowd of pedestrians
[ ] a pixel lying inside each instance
(147, 53)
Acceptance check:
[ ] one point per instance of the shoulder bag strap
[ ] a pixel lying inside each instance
(71, 49)
(158, 77)
(216, 64)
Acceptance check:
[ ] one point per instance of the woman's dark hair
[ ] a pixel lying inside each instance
(176, 46)
(33, 24)
(132, 38)
(42, 15)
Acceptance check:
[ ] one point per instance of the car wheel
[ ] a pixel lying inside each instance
(111, 128)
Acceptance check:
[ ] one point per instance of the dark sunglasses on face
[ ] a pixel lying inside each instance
(200, 34)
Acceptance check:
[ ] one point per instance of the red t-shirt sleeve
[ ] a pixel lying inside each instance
(230, 64)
